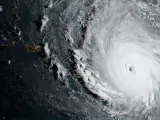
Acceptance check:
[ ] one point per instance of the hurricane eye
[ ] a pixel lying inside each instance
(129, 68)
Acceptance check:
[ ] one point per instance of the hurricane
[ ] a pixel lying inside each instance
(119, 54)
(80, 59)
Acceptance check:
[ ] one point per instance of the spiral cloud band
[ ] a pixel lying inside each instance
(123, 54)
(126, 60)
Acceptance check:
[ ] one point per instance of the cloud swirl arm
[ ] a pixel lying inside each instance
(124, 55)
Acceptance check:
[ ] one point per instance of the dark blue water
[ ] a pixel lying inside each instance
(23, 82)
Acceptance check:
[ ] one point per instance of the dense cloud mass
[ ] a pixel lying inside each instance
(119, 57)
